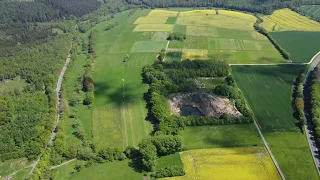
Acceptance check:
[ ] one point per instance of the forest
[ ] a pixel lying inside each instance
(261, 6)
(44, 10)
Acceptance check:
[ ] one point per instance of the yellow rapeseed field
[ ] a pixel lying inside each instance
(285, 20)
(153, 27)
(202, 31)
(216, 21)
(246, 163)
(198, 13)
(151, 20)
(238, 15)
(193, 54)
(166, 13)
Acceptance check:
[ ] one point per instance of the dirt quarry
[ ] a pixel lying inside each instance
(208, 104)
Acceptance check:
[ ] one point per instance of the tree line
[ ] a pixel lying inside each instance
(314, 103)
(261, 30)
(298, 100)
(259, 6)
(44, 10)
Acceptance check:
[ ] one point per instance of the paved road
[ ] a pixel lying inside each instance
(308, 127)
(58, 89)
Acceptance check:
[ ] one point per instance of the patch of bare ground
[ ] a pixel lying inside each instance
(208, 104)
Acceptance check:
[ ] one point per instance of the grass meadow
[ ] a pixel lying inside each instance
(109, 171)
(9, 166)
(310, 10)
(200, 137)
(169, 161)
(268, 92)
(228, 163)
(286, 20)
(301, 45)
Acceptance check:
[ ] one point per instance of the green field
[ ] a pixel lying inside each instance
(232, 45)
(122, 101)
(310, 10)
(169, 160)
(171, 20)
(201, 137)
(301, 45)
(9, 166)
(113, 171)
(268, 91)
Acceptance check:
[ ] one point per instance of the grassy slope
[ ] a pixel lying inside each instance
(221, 136)
(268, 91)
(302, 46)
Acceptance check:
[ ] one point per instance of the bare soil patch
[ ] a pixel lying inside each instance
(209, 104)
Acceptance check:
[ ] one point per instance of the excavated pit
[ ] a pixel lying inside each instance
(202, 104)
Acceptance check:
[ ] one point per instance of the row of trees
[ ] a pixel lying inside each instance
(176, 36)
(298, 101)
(314, 103)
(261, 30)
(260, 6)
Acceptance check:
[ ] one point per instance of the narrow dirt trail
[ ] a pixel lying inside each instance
(62, 164)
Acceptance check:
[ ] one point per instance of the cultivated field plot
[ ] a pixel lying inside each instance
(151, 20)
(149, 46)
(216, 21)
(119, 111)
(228, 163)
(200, 137)
(301, 45)
(268, 90)
(166, 13)
(310, 10)
(105, 123)
(193, 54)
(153, 28)
(285, 19)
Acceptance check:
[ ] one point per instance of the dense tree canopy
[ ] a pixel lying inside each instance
(44, 10)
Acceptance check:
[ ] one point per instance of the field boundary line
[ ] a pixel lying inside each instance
(265, 143)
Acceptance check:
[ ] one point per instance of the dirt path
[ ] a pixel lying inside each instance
(308, 127)
(62, 164)
(58, 93)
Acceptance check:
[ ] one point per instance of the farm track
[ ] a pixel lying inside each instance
(308, 127)
(62, 164)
